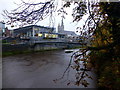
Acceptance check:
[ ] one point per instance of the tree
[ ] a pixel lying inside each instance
(102, 28)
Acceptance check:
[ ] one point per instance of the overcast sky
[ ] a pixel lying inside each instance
(68, 24)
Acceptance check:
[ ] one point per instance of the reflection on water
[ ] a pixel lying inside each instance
(38, 70)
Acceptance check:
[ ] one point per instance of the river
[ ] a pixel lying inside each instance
(38, 70)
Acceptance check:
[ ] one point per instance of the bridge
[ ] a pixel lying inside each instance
(53, 44)
(41, 44)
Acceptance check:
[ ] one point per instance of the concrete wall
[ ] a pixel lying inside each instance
(48, 46)
(27, 47)
(36, 47)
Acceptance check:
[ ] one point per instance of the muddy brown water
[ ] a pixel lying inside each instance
(38, 70)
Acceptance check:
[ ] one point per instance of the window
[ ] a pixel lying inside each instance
(40, 35)
(50, 35)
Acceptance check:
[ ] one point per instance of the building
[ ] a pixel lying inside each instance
(40, 33)
(2, 29)
(35, 31)
(8, 33)
(62, 31)
(68, 35)
(61, 27)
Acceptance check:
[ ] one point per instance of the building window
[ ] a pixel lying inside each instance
(40, 35)
(46, 35)
(51, 35)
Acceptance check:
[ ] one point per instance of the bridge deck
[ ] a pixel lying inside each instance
(66, 42)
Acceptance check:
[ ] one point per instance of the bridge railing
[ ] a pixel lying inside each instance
(34, 40)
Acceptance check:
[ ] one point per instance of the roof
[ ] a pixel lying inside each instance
(34, 26)
(69, 33)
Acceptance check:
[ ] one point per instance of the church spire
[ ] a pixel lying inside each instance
(62, 24)
(61, 27)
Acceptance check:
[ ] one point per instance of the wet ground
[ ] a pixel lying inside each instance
(38, 70)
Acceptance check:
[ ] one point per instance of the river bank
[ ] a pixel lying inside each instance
(14, 49)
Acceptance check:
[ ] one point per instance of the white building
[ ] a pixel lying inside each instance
(35, 31)
(2, 28)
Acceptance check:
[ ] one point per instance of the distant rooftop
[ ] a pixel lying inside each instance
(69, 33)
(34, 26)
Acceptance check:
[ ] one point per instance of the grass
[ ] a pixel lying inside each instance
(5, 54)
(11, 53)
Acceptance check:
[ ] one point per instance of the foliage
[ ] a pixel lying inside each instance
(4, 41)
(107, 60)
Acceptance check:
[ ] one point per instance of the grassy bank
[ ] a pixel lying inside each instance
(15, 52)
(5, 54)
